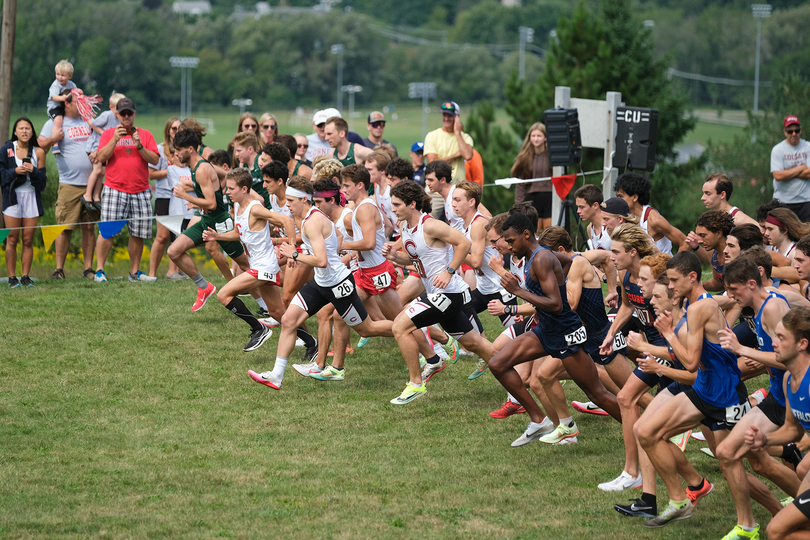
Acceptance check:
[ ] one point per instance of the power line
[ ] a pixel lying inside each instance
(716, 80)
(494, 48)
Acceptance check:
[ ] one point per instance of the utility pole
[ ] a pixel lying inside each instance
(185, 63)
(526, 36)
(7, 63)
(338, 50)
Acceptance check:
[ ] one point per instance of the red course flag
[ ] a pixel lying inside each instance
(563, 184)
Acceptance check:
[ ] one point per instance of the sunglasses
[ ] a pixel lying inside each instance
(249, 126)
(126, 113)
(377, 124)
(493, 242)
(269, 126)
(321, 125)
(303, 146)
(793, 131)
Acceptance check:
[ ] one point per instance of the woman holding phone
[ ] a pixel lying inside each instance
(22, 179)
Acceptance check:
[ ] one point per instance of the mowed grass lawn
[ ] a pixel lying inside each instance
(125, 415)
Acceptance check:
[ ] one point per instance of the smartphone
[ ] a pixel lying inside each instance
(130, 129)
(26, 160)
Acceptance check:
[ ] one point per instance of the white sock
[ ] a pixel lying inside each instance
(512, 398)
(566, 421)
(278, 369)
(262, 303)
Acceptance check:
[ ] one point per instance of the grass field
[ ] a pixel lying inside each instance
(124, 415)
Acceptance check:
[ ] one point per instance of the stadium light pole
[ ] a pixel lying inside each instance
(242, 103)
(760, 11)
(351, 90)
(338, 50)
(526, 36)
(424, 90)
(185, 63)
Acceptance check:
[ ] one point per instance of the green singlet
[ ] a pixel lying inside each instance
(349, 159)
(258, 183)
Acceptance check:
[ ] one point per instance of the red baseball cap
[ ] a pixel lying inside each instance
(791, 120)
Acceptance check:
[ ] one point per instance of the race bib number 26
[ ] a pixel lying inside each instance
(344, 289)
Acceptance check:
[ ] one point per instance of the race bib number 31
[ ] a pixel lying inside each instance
(439, 301)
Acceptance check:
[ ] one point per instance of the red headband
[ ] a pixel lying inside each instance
(333, 193)
(773, 221)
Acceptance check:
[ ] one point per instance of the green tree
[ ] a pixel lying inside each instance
(498, 150)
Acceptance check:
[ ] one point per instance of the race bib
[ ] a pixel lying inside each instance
(577, 337)
(225, 226)
(619, 342)
(644, 316)
(439, 301)
(344, 289)
(267, 276)
(506, 296)
(734, 413)
(382, 281)
(663, 362)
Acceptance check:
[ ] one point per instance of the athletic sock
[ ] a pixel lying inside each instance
(199, 281)
(309, 341)
(511, 398)
(433, 359)
(748, 529)
(649, 499)
(699, 486)
(262, 303)
(679, 504)
(567, 422)
(237, 307)
(278, 369)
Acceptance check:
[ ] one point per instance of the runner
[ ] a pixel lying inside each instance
(717, 189)
(635, 190)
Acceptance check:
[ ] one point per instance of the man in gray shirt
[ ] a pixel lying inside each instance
(74, 168)
(790, 160)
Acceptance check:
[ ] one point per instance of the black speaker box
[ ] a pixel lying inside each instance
(636, 138)
(563, 135)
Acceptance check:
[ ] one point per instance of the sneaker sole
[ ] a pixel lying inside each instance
(435, 372)
(589, 411)
(260, 343)
(561, 439)
(256, 377)
(415, 396)
(205, 301)
(317, 378)
(631, 513)
(658, 526)
(506, 415)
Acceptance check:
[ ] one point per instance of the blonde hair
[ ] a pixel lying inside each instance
(633, 237)
(326, 168)
(246, 139)
(522, 167)
(167, 133)
(65, 67)
(115, 97)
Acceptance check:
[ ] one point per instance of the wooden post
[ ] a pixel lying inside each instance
(6, 70)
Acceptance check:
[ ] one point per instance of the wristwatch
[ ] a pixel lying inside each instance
(295, 256)
(451, 270)
(139, 147)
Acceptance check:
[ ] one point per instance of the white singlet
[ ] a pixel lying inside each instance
(258, 244)
(452, 219)
(284, 210)
(601, 240)
(341, 226)
(384, 204)
(335, 270)
(429, 261)
(369, 259)
(664, 245)
(788, 251)
(516, 267)
(487, 281)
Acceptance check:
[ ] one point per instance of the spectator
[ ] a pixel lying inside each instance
(375, 125)
(74, 168)
(318, 145)
(128, 151)
(303, 146)
(474, 168)
(449, 143)
(268, 129)
(532, 162)
(247, 122)
(789, 165)
(418, 160)
(105, 120)
(22, 179)
(56, 95)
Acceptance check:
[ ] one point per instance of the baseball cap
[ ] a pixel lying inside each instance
(376, 116)
(616, 206)
(791, 120)
(418, 146)
(322, 116)
(451, 107)
(125, 104)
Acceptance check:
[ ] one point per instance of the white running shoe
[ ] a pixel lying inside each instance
(546, 427)
(306, 370)
(270, 321)
(299, 342)
(620, 483)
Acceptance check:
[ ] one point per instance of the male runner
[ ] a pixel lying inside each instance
(717, 191)
(253, 229)
(333, 282)
(347, 153)
(711, 230)
(214, 215)
(635, 190)
(246, 152)
(589, 201)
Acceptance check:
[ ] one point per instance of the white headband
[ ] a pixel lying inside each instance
(298, 193)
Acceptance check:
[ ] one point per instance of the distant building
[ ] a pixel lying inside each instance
(511, 3)
(192, 7)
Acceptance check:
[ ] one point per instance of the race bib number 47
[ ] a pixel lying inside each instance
(382, 281)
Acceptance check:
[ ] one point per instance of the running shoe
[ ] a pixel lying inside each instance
(479, 370)
(708, 452)
(636, 508)
(202, 296)
(698, 435)
(410, 393)
(330, 373)
(681, 440)
(451, 347)
(588, 407)
(101, 276)
(738, 533)
(261, 313)
(432, 369)
(461, 351)
(528, 436)
(508, 409)
(13, 282)
(141, 276)
(269, 322)
(672, 513)
(59, 274)
(266, 378)
(790, 453)
(621, 482)
(306, 370)
(695, 495)
(25, 281)
(363, 341)
(349, 350)
(786, 501)
(561, 434)
(310, 353)
(299, 342)
(257, 338)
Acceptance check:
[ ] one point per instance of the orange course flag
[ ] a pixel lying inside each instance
(563, 184)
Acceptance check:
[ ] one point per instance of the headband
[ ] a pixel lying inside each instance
(773, 221)
(332, 193)
(298, 193)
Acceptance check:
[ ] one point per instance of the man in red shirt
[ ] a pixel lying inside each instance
(128, 152)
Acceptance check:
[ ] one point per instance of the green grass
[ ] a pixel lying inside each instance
(124, 415)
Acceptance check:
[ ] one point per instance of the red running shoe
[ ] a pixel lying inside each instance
(508, 409)
(588, 407)
(696, 495)
(202, 296)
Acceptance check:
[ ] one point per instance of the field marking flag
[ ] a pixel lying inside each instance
(563, 184)
(3, 234)
(50, 233)
(108, 229)
(173, 223)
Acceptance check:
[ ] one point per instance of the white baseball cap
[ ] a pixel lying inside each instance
(322, 116)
